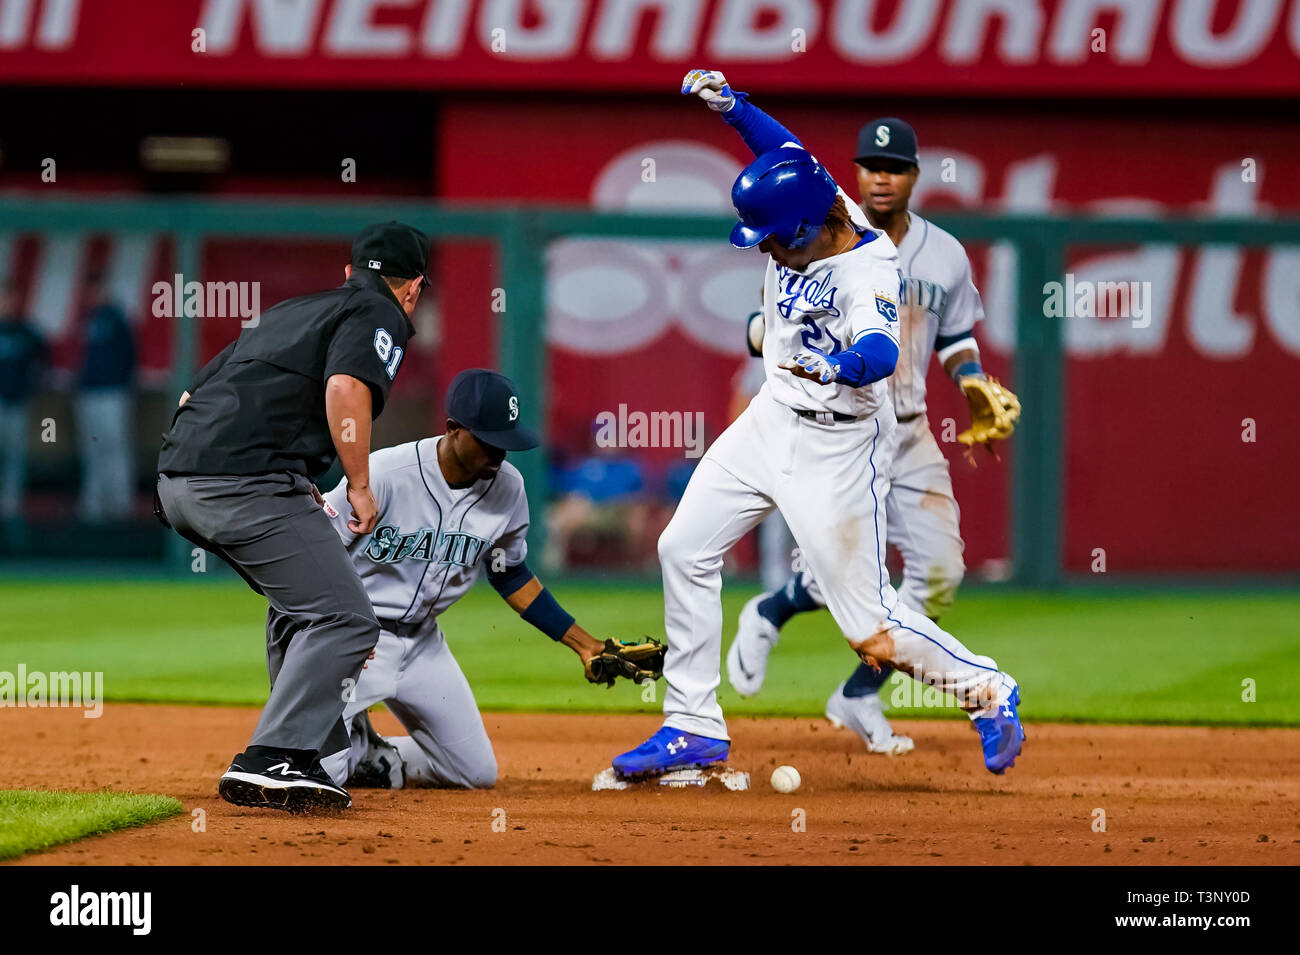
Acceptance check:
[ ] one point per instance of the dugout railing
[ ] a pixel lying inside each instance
(522, 234)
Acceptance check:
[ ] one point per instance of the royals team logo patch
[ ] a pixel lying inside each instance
(886, 306)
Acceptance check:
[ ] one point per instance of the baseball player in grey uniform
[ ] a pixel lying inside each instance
(450, 508)
(939, 309)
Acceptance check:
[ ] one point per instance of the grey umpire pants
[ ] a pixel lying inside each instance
(269, 528)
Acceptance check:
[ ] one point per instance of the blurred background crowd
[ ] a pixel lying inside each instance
(521, 104)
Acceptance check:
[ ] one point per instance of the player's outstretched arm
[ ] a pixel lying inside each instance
(521, 589)
(601, 662)
(869, 359)
(760, 132)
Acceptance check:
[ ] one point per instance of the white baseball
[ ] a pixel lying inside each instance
(785, 779)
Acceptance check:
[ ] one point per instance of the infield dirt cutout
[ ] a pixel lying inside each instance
(1171, 795)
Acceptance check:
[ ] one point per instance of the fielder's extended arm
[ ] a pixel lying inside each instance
(601, 662)
(520, 588)
(872, 357)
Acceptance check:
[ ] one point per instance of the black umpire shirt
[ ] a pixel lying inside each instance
(259, 405)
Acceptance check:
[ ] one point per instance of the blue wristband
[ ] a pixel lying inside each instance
(548, 616)
(966, 369)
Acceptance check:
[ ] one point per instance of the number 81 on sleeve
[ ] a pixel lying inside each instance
(389, 354)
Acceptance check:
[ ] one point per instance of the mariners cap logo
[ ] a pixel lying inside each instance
(514, 407)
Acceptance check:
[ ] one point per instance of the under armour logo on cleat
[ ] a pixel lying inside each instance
(675, 745)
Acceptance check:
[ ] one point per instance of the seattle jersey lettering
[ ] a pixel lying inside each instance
(928, 296)
(388, 545)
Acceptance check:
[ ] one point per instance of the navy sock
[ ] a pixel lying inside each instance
(866, 680)
(791, 599)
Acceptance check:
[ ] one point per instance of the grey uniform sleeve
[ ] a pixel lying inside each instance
(964, 307)
(512, 546)
(339, 511)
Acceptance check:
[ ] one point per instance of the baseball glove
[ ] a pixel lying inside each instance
(638, 661)
(994, 411)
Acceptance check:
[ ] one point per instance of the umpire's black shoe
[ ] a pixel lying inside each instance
(271, 779)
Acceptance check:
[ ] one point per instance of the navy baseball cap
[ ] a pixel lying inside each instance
(488, 405)
(887, 138)
(392, 248)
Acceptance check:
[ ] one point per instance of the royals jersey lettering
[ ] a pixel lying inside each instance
(830, 306)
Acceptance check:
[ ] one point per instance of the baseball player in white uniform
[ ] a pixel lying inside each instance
(937, 314)
(450, 508)
(817, 442)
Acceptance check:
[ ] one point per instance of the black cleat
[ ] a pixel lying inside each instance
(278, 781)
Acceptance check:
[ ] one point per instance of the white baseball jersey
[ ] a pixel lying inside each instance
(939, 298)
(830, 306)
(430, 540)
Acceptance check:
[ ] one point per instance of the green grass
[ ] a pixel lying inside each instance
(31, 820)
(1161, 656)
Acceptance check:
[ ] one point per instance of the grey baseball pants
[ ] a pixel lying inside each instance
(269, 528)
(418, 679)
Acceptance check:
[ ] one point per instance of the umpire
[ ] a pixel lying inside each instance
(296, 388)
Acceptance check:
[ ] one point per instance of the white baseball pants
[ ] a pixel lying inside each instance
(924, 523)
(830, 482)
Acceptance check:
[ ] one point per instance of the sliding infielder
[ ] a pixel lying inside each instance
(816, 442)
(938, 311)
(450, 508)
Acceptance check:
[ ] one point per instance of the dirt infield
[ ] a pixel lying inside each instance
(1171, 795)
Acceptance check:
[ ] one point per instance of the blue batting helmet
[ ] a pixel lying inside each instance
(785, 194)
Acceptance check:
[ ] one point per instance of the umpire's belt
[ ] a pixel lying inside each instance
(824, 417)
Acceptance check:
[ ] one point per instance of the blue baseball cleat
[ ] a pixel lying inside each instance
(670, 749)
(1001, 734)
